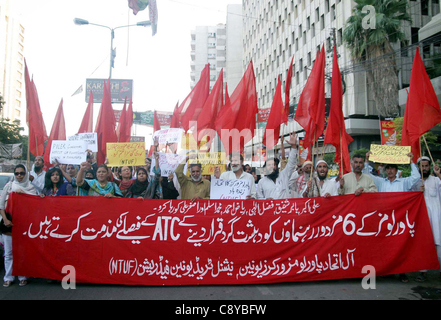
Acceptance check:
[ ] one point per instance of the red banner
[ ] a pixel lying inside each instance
(157, 242)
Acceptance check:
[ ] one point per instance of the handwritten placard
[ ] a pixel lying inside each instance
(230, 189)
(389, 154)
(90, 138)
(168, 162)
(68, 152)
(209, 161)
(126, 154)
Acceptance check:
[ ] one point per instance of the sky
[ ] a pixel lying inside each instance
(61, 55)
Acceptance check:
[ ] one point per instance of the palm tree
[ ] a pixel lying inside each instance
(372, 47)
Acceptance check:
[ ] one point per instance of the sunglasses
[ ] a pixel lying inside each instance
(21, 173)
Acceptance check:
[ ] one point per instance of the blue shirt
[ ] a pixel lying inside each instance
(399, 184)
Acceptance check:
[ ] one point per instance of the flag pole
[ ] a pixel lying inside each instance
(421, 164)
(312, 155)
(341, 153)
(428, 150)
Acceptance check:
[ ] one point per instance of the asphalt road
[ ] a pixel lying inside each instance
(387, 288)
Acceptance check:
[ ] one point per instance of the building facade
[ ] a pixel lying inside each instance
(12, 87)
(274, 31)
(220, 46)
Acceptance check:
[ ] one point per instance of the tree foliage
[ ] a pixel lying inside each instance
(372, 47)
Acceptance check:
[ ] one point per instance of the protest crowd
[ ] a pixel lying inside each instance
(282, 179)
(169, 175)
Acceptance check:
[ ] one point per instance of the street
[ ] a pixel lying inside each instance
(387, 288)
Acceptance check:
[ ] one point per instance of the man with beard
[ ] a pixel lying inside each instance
(431, 186)
(275, 185)
(37, 175)
(320, 186)
(193, 187)
(356, 182)
(237, 172)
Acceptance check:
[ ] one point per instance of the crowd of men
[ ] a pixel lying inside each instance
(281, 180)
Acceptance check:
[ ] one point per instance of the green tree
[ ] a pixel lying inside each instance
(369, 34)
(10, 132)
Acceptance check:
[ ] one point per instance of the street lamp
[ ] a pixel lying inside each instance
(81, 22)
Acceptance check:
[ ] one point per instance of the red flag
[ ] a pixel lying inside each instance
(122, 122)
(227, 96)
(211, 109)
(287, 89)
(238, 119)
(126, 134)
(34, 117)
(311, 108)
(156, 125)
(275, 119)
(336, 131)
(58, 132)
(87, 123)
(105, 126)
(175, 123)
(422, 109)
(192, 106)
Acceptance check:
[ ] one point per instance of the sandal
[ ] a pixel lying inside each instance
(404, 278)
(7, 284)
(23, 283)
(421, 277)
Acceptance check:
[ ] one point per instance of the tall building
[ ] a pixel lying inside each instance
(220, 46)
(12, 86)
(276, 30)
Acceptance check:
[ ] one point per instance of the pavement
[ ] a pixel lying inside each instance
(386, 288)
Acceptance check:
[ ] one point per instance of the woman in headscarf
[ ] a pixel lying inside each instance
(142, 188)
(55, 186)
(19, 184)
(101, 186)
(125, 173)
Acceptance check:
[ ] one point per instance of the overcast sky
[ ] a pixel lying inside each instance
(61, 55)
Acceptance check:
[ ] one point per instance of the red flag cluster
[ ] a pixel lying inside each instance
(422, 109)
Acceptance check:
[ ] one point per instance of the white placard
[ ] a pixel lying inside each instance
(68, 152)
(230, 189)
(90, 138)
(168, 162)
(172, 135)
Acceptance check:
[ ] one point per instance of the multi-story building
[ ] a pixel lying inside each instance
(220, 46)
(12, 86)
(276, 30)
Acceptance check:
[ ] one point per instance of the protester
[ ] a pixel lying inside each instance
(72, 170)
(54, 184)
(320, 186)
(37, 175)
(19, 184)
(237, 172)
(298, 182)
(91, 160)
(356, 182)
(298, 172)
(193, 187)
(142, 187)
(394, 183)
(125, 181)
(101, 186)
(275, 185)
(169, 190)
(431, 186)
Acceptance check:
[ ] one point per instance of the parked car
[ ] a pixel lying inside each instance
(4, 179)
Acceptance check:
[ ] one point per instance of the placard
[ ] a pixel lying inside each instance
(209, 161)
(126, 154)
(389, 154)
(90, 138)
(168, 162)
(234, 189)
(68, 152)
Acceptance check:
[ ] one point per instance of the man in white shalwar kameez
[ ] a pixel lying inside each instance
(431, 186)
